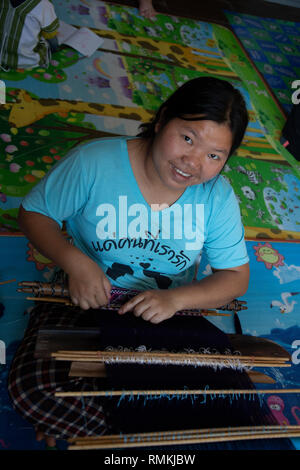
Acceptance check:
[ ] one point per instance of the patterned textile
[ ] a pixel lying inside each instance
(32, 383)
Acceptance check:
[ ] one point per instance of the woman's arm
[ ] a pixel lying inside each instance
(88, 285)
(213, 291)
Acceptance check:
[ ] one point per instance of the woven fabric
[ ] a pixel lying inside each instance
(32, 383)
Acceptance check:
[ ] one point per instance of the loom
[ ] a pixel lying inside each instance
(56, 292)
(182, 382)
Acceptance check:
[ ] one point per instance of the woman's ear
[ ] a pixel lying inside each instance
(160, 121)
(157, 127)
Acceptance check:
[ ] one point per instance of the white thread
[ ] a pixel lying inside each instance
(216, 364)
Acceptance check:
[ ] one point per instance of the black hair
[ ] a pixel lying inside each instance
(203, 98)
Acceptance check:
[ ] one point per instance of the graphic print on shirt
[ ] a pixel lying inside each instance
(118, 270)
(140, 260)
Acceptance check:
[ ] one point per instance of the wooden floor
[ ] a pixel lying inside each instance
(212, 10)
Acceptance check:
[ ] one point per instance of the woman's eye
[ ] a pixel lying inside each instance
(188, 139)
(213, 156)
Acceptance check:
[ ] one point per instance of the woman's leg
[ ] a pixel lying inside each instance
(32, 383)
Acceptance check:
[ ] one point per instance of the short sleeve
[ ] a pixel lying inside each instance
(48, 20)
(224, 245)
(63, 192)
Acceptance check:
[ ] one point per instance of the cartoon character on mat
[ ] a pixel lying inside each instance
(276, 406)
(285, 306)
(41, 262)
(293, 411)
(268, 255)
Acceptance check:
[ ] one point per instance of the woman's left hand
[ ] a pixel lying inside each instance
(152, 305)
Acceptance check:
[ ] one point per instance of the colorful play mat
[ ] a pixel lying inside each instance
(139, 64)
(274, 47)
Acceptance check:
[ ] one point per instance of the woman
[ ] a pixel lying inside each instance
(140, 211)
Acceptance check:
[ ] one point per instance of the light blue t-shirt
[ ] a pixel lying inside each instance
(94, 190)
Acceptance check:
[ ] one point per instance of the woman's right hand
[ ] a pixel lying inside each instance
(88, 285)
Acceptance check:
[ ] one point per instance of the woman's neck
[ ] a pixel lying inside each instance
(150, 186)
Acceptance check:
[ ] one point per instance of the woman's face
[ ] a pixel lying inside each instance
(185, 153)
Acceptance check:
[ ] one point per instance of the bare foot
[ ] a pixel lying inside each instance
(50, 441)
(146, 9)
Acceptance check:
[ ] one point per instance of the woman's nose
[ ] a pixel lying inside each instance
(193, 160)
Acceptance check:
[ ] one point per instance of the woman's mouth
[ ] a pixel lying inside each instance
(180, 173)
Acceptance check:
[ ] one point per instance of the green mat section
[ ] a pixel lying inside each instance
(274, 47)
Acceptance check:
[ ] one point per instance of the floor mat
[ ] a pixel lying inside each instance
(76, 99)
(274, 47)
(139, 64)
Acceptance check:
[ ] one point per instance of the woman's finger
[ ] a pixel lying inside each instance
(141, 309)
(148, 314)
(157, 318)
(101, 299)
(130, 305)
(107, 289)
(84, 304)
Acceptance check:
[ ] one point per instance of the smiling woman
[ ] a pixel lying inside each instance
(204, 98)
(177, 206)
(190, 153)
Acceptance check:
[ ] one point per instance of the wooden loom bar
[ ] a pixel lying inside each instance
(110, 393)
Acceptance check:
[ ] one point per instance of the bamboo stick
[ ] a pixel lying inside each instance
(112, 393)
(68, 302)
(213, 439)
(197, 436)
(60, 300)
(183, 434)
(61, 291)
(7, 282)
(164, 354)
(159, 358)
(193, 439)
(169, 358)
(192, 432)
(180, 361)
